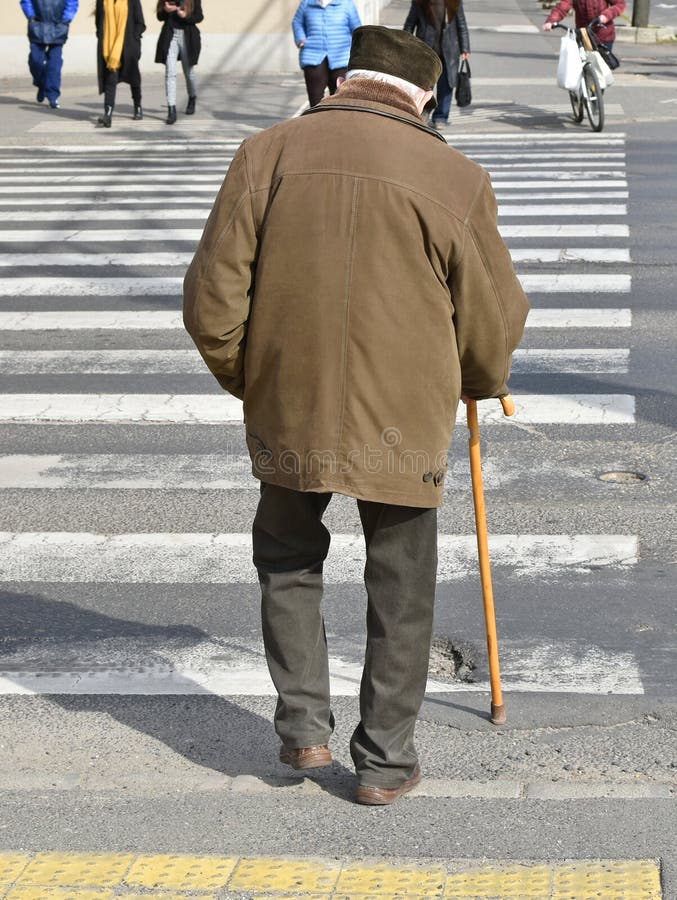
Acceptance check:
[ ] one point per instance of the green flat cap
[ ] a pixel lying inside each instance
(395, 52)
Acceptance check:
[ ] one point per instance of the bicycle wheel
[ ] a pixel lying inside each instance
(592, 98)
(576, 105)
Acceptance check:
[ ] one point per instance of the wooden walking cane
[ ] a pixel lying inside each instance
(498, 716)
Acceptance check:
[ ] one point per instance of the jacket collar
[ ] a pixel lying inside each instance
(367, 91)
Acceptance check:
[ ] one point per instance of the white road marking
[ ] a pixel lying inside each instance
(59, 236)
(100, 260)
(586, 361)
(201, 558)
(561, 195)
(568, 254)
(173, 286)
(579, 318)
(189, 362)
(218, 409)
(142, 320)
(90, 287)
(210, 190)
(43, 179)
(553, 283)
(585, 231)
(501, 183)
(96, 214)
(563, 209)
(543, 668)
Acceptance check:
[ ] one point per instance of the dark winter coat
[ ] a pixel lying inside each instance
(455, 37)
(131, 52)
(350, 284)
(48, 20)
(191, 31)
(586, 11)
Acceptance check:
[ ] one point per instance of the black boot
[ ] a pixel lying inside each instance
(190, 109)
(171, 115)
(107, 118)
(138, 112)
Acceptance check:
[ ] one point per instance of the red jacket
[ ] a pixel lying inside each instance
(586, 11)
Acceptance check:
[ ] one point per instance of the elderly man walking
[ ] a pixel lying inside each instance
(350, 286)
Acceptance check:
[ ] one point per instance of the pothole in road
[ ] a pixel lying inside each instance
(454, 660)
(623, 477)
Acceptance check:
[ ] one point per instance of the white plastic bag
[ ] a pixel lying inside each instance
(570, 67)
(604, 73)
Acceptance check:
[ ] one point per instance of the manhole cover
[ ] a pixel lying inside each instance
(623, 477)
(454, 660)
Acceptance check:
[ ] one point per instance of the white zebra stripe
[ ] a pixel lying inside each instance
(569, 254)
(199, 558)
(136, 187)
(591, 185)
(158, 320)
(44, 177)
(182, 258)
(585, 231)
(191, 213)
(563, 209)
(217, 409)
(585, 361)
(90, 287)
(189, 362)
(89, 236)
(100, 260)
(106, 215)
(128, 287)
(540, 668)
(552, 283)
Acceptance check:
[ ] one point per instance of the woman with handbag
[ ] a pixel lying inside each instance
(587, 11)
(442, 25)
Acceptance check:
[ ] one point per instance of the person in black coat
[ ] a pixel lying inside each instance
(179, 40)
(442, 25)
(119, 26)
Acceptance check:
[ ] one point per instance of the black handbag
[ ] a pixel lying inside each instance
(609, 57)
(463, 91)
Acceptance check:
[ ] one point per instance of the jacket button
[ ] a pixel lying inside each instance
(438, 479)
(428, 476)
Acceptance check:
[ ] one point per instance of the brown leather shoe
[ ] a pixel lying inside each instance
(378, 796)
(306, 757)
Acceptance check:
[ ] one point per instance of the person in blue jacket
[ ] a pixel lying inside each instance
(48, 22)
(323, 32)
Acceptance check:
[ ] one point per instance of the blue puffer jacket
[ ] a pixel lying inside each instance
(327, 31)
(51, 19)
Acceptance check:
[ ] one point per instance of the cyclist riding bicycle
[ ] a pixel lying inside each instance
(587, 11)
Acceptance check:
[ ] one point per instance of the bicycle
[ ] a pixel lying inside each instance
(589, 96)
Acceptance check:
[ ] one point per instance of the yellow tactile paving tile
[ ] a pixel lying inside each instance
(285, 876)
(510, 881)
(11, 866)
(181, 873)
(402, 881)
(76, 870)
(36, 892)
(611, 880)
(125, 876)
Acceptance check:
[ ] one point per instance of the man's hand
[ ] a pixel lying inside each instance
(603, 19)
(301, 44)
(547, 26)
(465, 56)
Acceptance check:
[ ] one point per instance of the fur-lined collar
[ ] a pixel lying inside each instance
(377, 92)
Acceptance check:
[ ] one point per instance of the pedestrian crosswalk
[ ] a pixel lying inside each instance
(94, 242)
